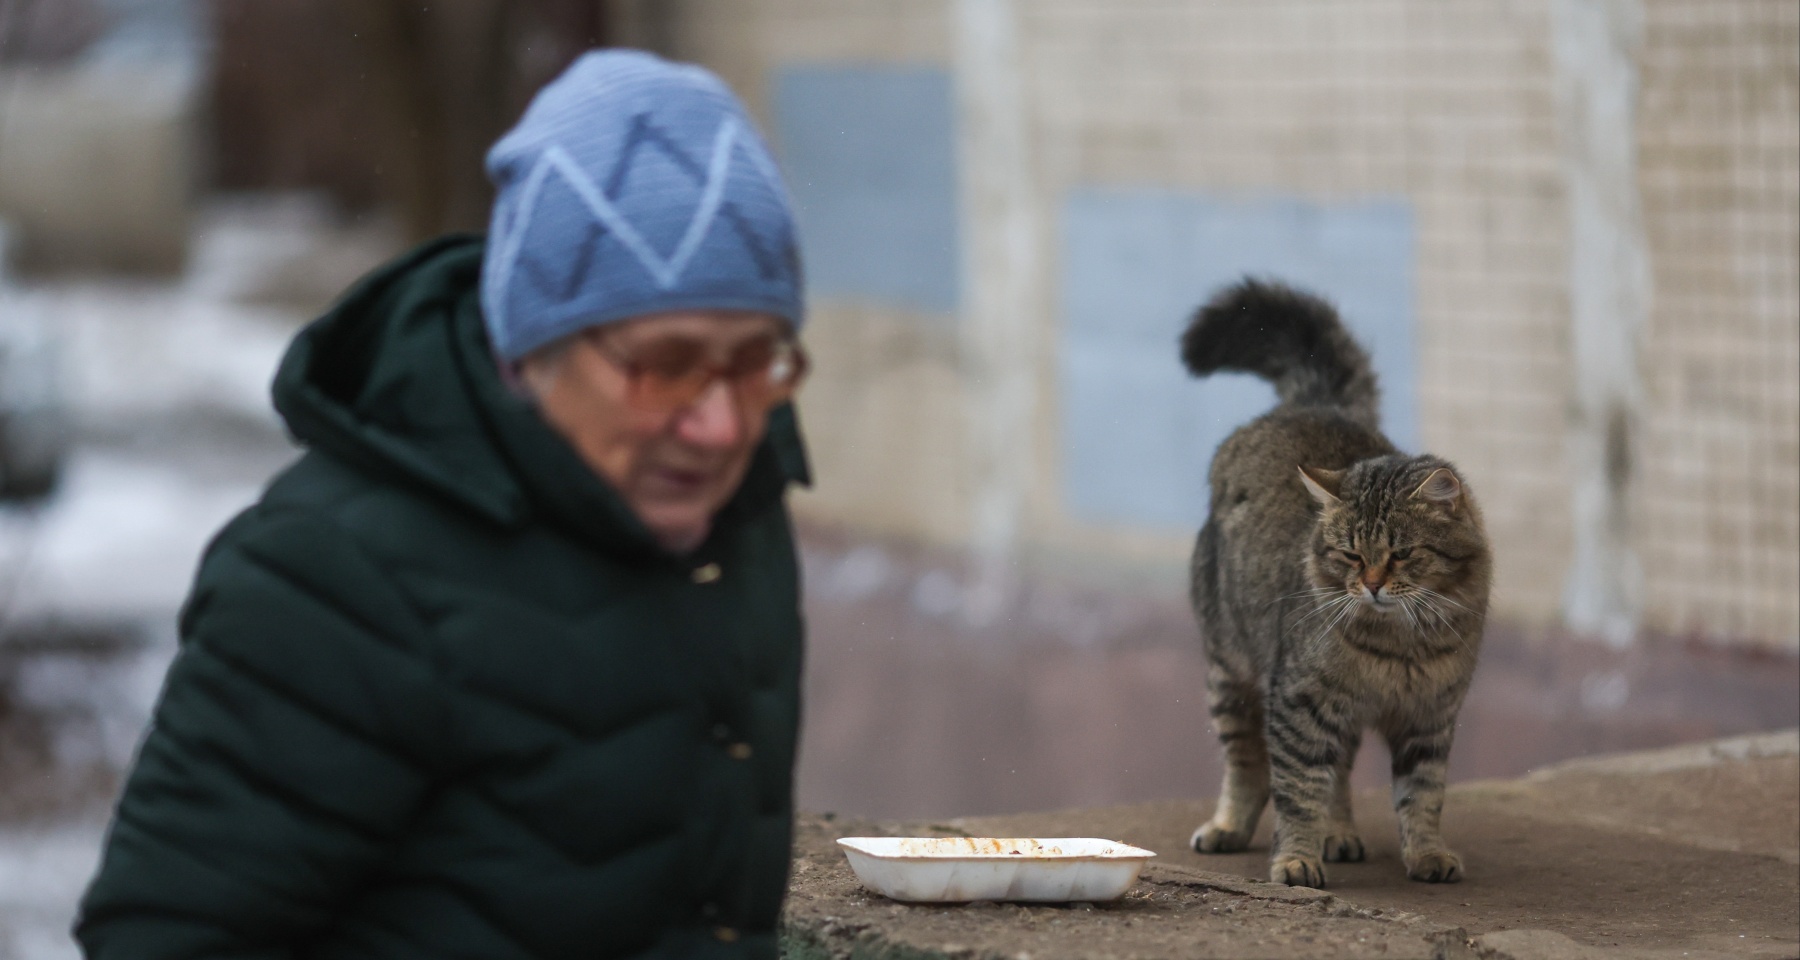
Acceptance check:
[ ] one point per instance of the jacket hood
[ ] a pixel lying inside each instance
(398, 380)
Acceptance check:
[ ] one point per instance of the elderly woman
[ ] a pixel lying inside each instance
(507, 664)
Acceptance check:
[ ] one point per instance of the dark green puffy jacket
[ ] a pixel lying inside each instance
(439, 693)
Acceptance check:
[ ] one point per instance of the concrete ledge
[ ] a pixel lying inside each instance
(1693, 756)
(1677, 853)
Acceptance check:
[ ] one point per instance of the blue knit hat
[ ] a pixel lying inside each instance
(633, 185)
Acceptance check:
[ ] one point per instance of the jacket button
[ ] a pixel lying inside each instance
(725, 934)
(708, 573)
(739, 751)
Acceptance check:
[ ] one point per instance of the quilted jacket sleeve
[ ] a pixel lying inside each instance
(289, 749)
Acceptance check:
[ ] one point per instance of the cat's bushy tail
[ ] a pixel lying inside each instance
(1292, 339)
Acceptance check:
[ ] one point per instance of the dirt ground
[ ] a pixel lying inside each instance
(1168, 913)
(1692, 852)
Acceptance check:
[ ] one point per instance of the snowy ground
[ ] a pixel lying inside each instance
(42, 873)
(167, 385)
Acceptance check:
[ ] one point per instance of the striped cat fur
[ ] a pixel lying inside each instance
(1340, 586)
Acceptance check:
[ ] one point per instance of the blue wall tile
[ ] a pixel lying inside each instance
(870, 155)
(1138, 433)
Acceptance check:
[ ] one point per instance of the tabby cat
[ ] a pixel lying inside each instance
(1340, 585)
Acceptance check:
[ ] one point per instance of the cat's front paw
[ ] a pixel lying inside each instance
(1343, 846)
(1435, 866)
(1212, 838)
(1297, 871)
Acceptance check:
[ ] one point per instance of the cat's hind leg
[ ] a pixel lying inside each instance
(1343, 843)
(1237, 716)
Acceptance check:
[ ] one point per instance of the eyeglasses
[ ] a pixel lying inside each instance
(668, 374)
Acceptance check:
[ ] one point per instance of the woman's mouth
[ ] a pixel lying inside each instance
(677, 482)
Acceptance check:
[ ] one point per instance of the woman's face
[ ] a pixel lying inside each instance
(674, 467)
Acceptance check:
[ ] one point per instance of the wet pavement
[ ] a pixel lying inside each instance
(1076, 695)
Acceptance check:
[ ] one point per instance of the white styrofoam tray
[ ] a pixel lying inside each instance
(960, 869)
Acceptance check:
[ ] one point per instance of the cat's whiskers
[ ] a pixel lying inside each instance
(1432, 601)
(1323, 607)
(1413, 609)
(1313, 593)
(1433, 594)
(1437, 604)
(1346, 607)
(1406, 607)
(1444, 623)
(1336, 606)
(1437, 607)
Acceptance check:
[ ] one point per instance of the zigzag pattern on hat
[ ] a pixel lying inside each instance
(666, 271)
(633, 186)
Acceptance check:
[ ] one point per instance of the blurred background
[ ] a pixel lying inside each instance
(1569, 231)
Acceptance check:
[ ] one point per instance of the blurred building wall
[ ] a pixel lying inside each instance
(1410, 159)
(96, 165)
(885, 410)
(382, 103)
(98, 114)
(1719, 505)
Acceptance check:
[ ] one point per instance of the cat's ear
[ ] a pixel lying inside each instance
(1441, 487)
(1322, 484)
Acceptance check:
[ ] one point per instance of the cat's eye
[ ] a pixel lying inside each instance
(1401, 554)
(1351, 557)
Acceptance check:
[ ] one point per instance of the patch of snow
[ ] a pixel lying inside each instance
(119, 541)
(99, 707)
(167, 385)
(43, 872)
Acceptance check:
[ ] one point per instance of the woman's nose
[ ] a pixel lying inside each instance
(714, 420)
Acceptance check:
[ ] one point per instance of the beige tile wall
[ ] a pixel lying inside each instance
(1719, 499)
(883, 412)
(745, 39)
(1452, 106)
(1448, 105)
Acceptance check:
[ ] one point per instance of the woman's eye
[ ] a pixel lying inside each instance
(1402, 554)
(670, 358)
(755, 357)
